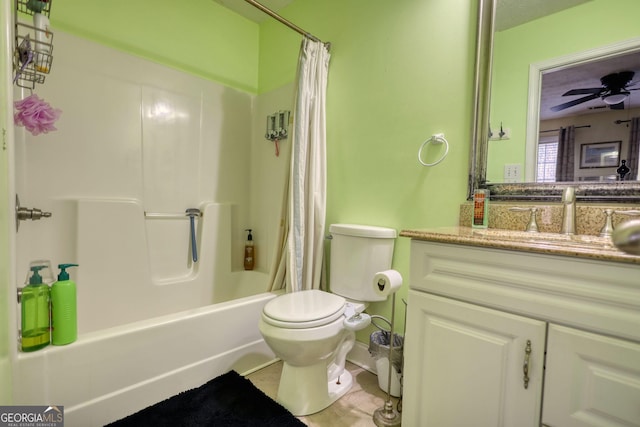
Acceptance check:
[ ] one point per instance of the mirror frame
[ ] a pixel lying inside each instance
(618, 192)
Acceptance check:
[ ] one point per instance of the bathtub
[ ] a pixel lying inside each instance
(108, 374)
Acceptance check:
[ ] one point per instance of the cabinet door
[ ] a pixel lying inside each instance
(464, 365)
(591, 380)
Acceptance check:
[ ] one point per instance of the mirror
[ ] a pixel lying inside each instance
(522, 49)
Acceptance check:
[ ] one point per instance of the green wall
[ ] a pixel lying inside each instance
(197, 36)
(400, 72)
(592, 24)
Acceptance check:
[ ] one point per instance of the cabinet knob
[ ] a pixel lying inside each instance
(525, 366)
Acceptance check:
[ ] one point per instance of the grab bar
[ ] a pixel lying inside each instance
(191, 214)
(166, 215)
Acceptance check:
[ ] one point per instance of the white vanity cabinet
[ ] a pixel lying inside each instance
(480, 320)
(464, 365)
(591, 380)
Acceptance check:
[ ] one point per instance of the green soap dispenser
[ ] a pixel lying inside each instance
(64, 318)
(35, 325)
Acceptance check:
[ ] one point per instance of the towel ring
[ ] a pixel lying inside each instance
(436, 139)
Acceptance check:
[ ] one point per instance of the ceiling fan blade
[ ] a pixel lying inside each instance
(575, 102)
(585, 91)
(618, 81)
(618, 106)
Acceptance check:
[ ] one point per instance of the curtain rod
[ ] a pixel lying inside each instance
(284, 21)
(556, 130)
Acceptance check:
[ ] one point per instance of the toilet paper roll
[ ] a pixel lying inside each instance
(386, 282)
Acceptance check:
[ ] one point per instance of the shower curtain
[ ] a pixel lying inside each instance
(298, 260)
(633, 155)
(566, 155)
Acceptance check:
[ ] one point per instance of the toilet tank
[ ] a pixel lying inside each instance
(358, 252)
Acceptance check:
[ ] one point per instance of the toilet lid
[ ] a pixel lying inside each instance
(304, 309)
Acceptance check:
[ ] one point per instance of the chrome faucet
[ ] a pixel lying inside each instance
(532, 227)
(569, 211)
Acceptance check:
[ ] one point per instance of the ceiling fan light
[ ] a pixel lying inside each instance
(615, 98)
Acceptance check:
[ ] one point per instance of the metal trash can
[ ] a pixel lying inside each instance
(379, 349)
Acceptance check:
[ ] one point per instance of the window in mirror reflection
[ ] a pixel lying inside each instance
(547, 158)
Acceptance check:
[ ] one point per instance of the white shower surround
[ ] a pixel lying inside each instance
(151, 322)
(137, 137)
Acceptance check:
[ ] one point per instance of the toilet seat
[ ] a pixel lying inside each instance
(304, 309)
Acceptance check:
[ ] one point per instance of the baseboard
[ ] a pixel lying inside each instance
(261, 366)
(359, 355)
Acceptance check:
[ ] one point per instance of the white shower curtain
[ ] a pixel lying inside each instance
(302, 228)
(307, 181)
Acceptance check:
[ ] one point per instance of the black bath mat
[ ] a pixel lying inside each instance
(228, 400)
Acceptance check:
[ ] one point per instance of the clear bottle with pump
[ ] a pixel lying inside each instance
(35, 324)
(43, 42)
(249, 252)
(64, 319)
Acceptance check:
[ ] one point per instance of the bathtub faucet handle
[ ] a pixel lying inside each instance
(23, 214)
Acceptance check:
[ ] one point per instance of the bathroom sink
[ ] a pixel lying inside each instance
(623, 247)
(574, 241)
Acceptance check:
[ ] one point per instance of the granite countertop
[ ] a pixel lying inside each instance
(581, 246)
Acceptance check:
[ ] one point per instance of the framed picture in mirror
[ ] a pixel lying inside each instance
(600, 155)
(598, 178)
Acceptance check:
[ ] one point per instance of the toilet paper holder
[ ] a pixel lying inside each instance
(387, 282)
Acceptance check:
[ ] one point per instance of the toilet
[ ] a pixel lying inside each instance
(312, 331)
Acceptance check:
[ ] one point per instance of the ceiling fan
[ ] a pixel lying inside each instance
(614, 91)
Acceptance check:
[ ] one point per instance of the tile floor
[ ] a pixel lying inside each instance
(354, 409)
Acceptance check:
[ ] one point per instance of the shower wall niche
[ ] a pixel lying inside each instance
(137, 138)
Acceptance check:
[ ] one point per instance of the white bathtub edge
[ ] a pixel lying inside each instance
(109, 374)
(126, 401)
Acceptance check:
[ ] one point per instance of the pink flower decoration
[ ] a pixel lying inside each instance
(35, 114)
